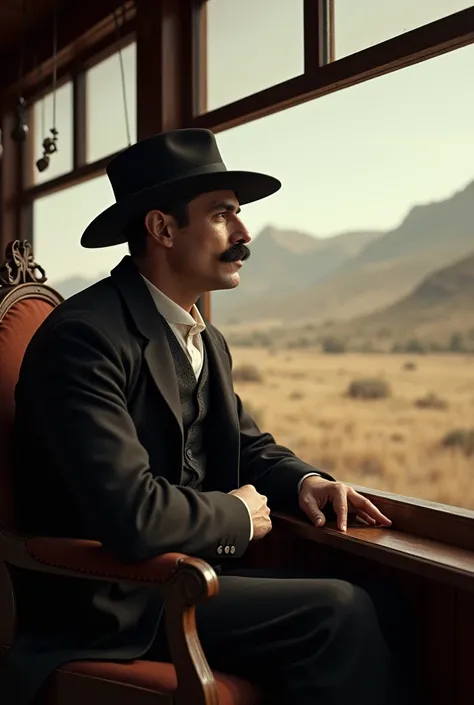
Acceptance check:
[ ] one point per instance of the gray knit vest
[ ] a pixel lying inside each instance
(194, 397)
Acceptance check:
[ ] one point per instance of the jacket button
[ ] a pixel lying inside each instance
(189, 453)
(219, 550)
(232, 549)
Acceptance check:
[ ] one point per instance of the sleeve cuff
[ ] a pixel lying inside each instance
(250, 516)
(309, 474)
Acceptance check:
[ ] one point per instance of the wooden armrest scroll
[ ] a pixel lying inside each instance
(183, 580)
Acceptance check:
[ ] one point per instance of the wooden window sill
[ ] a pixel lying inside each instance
(432, 559)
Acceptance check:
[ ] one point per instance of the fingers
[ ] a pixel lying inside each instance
(311, 508)
(339, 503)
(366, 518)
(362, 505)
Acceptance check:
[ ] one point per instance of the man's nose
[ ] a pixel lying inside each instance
(241, 234)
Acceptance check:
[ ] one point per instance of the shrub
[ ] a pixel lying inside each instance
(334, 346)
(369, 388)
(416, 346)
(431, 401)
(247, 373)
(456, 344)
(409, 365)
(462, 438)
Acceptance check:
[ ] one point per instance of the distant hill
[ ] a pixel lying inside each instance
(286, 259)
(284, 262)
(384, 270)
(68, 287)
(442, 305)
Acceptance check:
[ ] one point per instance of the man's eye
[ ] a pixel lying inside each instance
(222, 215)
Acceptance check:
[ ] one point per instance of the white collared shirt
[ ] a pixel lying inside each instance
(187, 328)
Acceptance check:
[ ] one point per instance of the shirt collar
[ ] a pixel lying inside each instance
(172, 312)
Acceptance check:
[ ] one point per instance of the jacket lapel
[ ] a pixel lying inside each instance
(141, 306)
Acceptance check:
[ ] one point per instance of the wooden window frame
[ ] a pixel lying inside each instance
(170, 37)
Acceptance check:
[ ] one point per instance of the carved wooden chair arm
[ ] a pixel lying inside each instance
(184, 582)
(88, 559)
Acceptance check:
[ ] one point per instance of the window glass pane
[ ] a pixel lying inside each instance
(59, 221)
(251, 45)
(106, 122)
(43, 116)
(364, 23)
(362, 272)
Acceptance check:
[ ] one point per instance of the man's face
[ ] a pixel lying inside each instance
(208, 253)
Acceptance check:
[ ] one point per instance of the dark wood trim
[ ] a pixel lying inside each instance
(72, 178)
(418, 45)
(83, 61)
(8, 169)
(313, 46)
(164, 65)
(199, 23)
(430, 520)
(79, 29)
(80, 122)
(16, 218)
(431, 559)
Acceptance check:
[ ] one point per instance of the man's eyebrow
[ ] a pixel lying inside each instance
(224, 206)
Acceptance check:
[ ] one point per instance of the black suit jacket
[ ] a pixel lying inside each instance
(99, 455)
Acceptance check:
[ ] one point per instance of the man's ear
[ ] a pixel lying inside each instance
(158, 225)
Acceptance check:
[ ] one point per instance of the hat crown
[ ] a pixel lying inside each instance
(162, 158)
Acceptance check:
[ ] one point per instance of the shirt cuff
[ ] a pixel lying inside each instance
(250, 515)
(309, 474)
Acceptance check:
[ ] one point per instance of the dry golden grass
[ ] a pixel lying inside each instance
(387, 444)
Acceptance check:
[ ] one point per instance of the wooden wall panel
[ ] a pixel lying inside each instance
(442, 634)
(464, 669)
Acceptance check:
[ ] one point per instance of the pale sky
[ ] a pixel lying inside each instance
(359, 158)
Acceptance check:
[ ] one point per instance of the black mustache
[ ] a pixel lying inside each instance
(237, 252)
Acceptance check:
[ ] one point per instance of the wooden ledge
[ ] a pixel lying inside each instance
(397, 549)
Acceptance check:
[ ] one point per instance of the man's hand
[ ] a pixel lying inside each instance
(259, 510)
(316, 492)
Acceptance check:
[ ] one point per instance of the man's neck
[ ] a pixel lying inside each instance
(186, 300)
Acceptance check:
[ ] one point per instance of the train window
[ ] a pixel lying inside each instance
(352, 330)
(361, 24)
(106, 116)
(59, 221)
(248, 46)
(48, 111)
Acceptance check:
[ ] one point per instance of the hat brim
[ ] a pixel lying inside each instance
(108, 227)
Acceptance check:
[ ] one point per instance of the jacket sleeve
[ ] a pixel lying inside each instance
(274, 470)
(82, 416)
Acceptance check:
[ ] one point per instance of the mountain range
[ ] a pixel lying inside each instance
(297, 279)
(348, 275)
(441, 307)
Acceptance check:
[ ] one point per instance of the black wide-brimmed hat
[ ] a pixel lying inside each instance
(163, 168)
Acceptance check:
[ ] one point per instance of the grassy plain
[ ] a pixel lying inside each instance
(388, 444)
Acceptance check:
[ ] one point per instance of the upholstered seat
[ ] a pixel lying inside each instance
(76, 682)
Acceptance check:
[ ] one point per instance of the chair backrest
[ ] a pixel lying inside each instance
(25, 302)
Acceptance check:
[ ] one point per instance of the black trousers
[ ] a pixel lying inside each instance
(307, 640)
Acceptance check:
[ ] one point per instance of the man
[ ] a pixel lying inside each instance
(137, 439)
